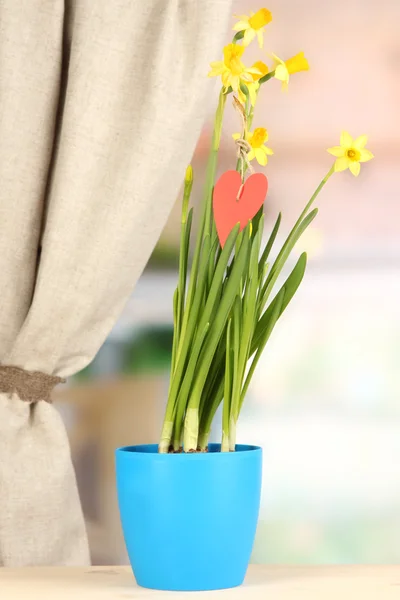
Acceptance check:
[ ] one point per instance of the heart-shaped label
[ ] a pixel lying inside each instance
(236, 203)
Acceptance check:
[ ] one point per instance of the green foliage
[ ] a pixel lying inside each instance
(225, 317)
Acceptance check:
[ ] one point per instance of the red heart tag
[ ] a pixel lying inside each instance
(229, 209)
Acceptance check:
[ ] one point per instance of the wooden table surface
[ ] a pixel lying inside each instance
(262, 583)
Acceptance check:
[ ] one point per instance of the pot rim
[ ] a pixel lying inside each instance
(150, 451)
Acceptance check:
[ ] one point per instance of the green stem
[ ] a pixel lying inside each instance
(314, 196)
(237, 336)
(208, 414)
(266, 77)
(238, 36)
(249, 112)
(232, 434)
(204, 436)
(175, 302)
(226, 409)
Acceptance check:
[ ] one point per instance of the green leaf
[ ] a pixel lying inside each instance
(228, 383)
(175, 337)
(186, 244)
(187, 361)
(268, 247)
(183, 263)
(184, 391)
(294, 280)
(186, 338)
(283, 255)
(213, 252)
(276, 311)
(219, 323)
(290, 287)
(215, 398)
(249, 303)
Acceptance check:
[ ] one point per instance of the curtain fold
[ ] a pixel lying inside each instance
(31, 36)
(132, 102)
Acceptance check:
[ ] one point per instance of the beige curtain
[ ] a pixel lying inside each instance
(101, 104)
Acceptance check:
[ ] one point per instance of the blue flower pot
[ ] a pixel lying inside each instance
(189, 520)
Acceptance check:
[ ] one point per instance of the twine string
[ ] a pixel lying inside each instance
(242, 145)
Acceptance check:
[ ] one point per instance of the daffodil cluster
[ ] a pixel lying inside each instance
(246, 80)
(245, 83)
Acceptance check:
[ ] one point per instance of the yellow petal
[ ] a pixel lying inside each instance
(267, 150)
(249, 36)
(251, 155)
(277, 60)
(217, 68)
(234, 82)
(281, 73)
(253, 87)
(261, 157)
(360, 142)
(341, 164)
(241, 26)
(337, 151)
(255, 71)
(355, 168)
(346, 141)
(226, 78)
(241, 97)
(236, 136)
(365, 155)
(216, 64)
(261, 68)
(260, 38)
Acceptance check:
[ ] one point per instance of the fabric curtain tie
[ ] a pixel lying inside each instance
(31, 386)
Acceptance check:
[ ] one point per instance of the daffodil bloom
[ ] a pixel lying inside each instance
(283, 69)
(232, 70)
(257, 139)
(253, 86)
(253, 26)
(350, 153)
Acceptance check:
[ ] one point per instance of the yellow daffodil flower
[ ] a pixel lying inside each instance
(254, 26)
(257, 139)
(283, 69)
(253, 86)
(350, 153)
(232, 70)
